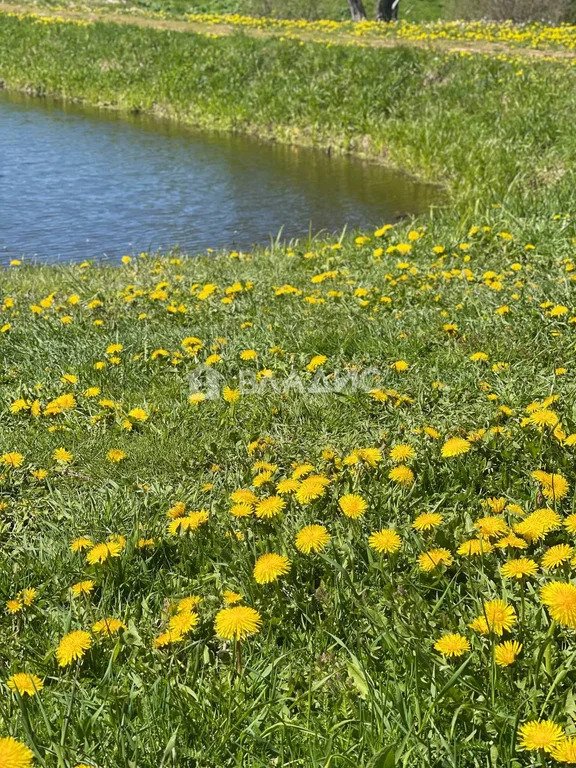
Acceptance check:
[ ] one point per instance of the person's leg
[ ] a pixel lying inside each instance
(384, 10)
(394, 14)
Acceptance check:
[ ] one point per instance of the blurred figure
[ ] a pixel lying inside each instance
(387, 10)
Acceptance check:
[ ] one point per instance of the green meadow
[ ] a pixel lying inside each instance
(310, 505)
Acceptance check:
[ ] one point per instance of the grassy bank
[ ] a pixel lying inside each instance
(126, 488)
(493, 129)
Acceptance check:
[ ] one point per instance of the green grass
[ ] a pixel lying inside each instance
(344, 670)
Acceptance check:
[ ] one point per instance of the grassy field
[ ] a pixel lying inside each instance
(168, 422)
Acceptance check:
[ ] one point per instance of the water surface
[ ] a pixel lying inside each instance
(79, 183)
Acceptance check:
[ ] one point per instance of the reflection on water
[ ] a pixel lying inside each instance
(80, 183)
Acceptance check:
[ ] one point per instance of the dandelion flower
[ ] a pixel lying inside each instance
(25, 684)
(401, 453)
(230, 597)
(101, 552)
(427, 521)
(82, 587)
(62, 456)
(491, 526)
(433, 558)
(519, 569)
(183, 622)
(352, 505)
(14, 754)
(12, 459)
(13, 606)
(138, 414)
(455, 446)
(243, 496)
(109, 626)
(452, 645)
(402, 475)
(505, 653)
(286, 486)
(475, 547)
(188, 603)
(560, 599)
(269, 567)
(312, 538)
(312, 488)
(385, 542)
(230, 395)
(555, 556)
(540, 734)
(565, 751)
(115, 455)
(72, 647)
(270, 507)
(82, 543)
(237, 622)
(498, 617)
(241, 510)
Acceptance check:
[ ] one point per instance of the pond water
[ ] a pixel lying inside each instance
(78, 183)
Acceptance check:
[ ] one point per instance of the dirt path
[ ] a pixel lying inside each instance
(179, 25)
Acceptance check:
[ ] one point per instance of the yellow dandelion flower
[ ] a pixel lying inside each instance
(100, 553)
(498, 617)
(565, 751)
(560, 599)
(25, 684)
(452, 645)
(188, 603)
(402, 475)
(72, 647)
(109, 626)
(14, 754)
(519, 569)
(505, 653)
(115, 455)
(241, 510)
(230, 597)
(243, 496)
(289, 485)
(13, 606)
(177, 510)
(237, 622)
(230, 395)
(540, 734)
(12, 459)
(83, 587)
(270, 567)
(429, 560)
(385, 541)
(455, 446)
(81, 543)
(312, 538)
(312, 488)
(491, 526)
(352, 505)
(138, 414)
(270, 507)
(555, 556)
(475, 547)
(401, 453)
(183, 622)
(427, 521)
